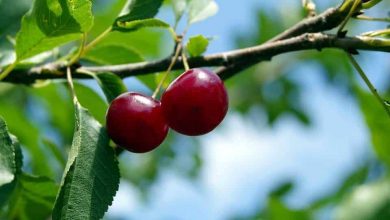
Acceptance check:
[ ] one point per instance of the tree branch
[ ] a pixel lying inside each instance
(249, 56)
(253, 55)
(327, 20)
(299, 37)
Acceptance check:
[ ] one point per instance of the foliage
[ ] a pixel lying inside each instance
(91, 162)
(47, 26)
(197, 45)
(55, 156)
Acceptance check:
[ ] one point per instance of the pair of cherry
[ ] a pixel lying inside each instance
(193, 104)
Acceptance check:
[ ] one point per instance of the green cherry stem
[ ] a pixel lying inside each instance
(368, 83)
(173, 61)
(184, 59)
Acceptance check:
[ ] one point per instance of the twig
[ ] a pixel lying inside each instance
(96, 40)
(377, 33)
(184, 58)
(367, 18)
(350, 13)
(368, 83)
(327, 20)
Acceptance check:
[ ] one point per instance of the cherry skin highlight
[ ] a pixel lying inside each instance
(195, 103)
(136, 123)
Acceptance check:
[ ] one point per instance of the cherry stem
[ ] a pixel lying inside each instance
(368, 83)
(177, 52)
(184, 59)
(353, 9)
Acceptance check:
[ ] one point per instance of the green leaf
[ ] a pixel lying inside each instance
(179, 7)
(7, 155)
(370, 201)
(276, 210)
(111, 85)
(91, 176)
(139, 10)
(282, 189)
(91, 100)
(127, 26)
(122, 55)
(10, 162)
(201, 9)
(152, 80)
(56, 151)
(149, 80)
(197, 45)
(104, 55)
(104, 18)
(145, 41)
(378, 122)
(33, 197)
(52, 23)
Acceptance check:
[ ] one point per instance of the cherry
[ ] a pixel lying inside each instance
(136, 123)
(195, 103)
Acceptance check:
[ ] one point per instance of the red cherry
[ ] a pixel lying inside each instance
(195, 103)
(136, 123)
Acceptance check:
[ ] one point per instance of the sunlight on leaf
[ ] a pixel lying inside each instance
(201, 9)
(51, 24)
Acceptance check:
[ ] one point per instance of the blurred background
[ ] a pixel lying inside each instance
(301, 140)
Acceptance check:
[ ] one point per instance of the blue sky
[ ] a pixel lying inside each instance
(244, 159)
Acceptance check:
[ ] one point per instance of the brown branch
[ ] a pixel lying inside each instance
(247, 56)
(299, 37)
(327, 20)
(253, 55)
